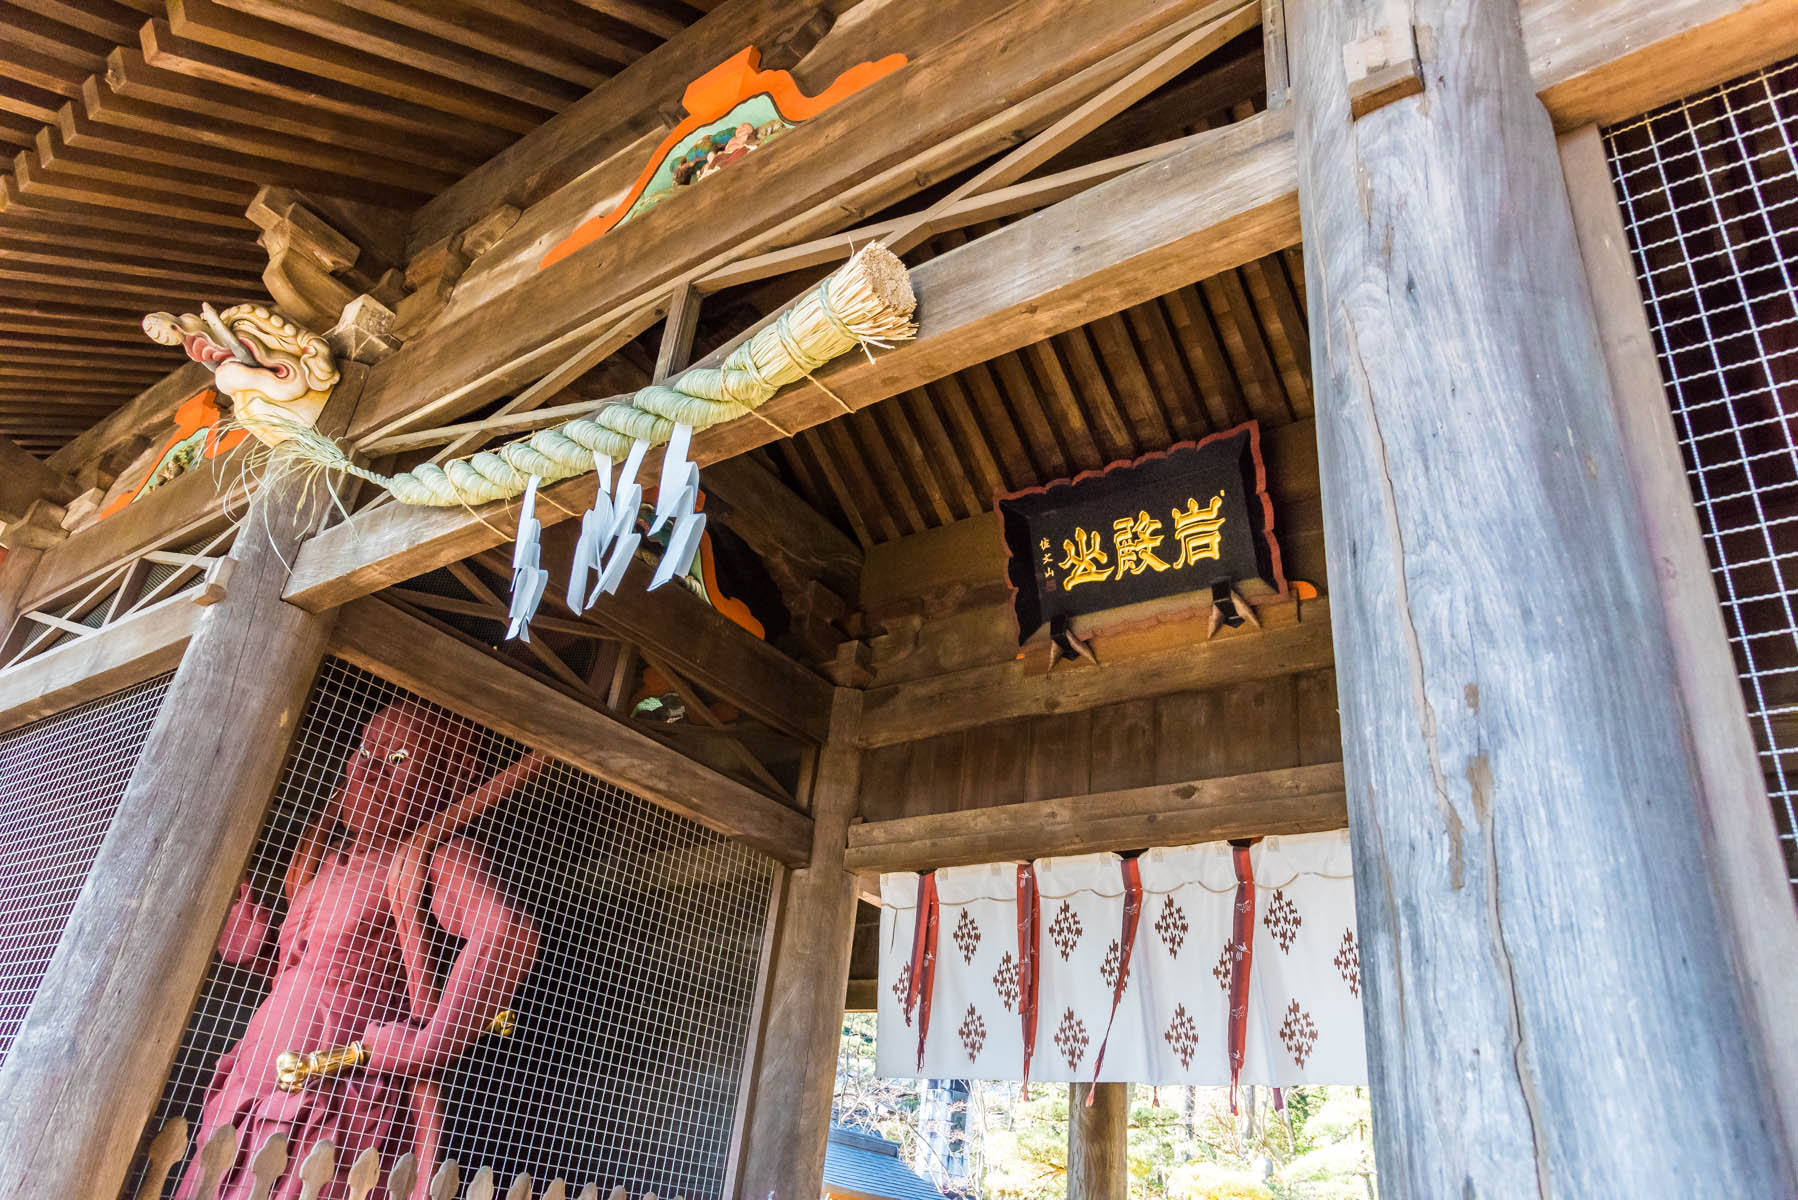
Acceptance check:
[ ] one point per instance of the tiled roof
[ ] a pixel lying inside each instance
(865, 1164)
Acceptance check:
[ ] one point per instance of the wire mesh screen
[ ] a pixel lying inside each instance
(419, 878)
(61, 780)
(1710, 195)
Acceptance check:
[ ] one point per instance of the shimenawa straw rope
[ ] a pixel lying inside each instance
(868, 302)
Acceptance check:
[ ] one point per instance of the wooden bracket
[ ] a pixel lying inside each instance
(218, 580)
(1384, 66)
(39, 529)
(364, 331)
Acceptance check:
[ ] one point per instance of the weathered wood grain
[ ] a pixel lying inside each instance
(408, 652)
(788, 1121)
(92, 1054)
(1098, 1141)
(1168, 657)
(1256, 804)
(1540, 932)
(1599, 61)
(144, 644)
(25, 479)
(180, 510)
(1737, 816)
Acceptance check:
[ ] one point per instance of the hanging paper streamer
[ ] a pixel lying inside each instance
(1169, 1018)
(528, 578)
(622, 535)
(677, 498)
(596, 533)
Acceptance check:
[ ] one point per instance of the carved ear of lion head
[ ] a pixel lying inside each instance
(277, 375)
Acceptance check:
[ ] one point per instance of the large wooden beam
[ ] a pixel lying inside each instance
(87, 668)
(905, 130)
(408, 652)
(1544, 956)
(1600, 61)
(1292, 639)
(1290, 800)
(613, 116)
(149, 411)
(184, 508)
(1098, 1141)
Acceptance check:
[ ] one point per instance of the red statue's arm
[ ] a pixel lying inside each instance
(499, 950)
(245, 942)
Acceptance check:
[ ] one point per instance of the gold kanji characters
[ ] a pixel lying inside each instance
(1199, 531)
(1085, 558)
(1135, 539)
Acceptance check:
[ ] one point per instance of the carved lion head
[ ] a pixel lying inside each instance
(276, 374)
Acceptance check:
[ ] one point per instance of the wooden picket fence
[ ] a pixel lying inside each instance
(318, 1168)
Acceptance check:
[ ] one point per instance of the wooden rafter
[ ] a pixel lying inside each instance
(377, 637)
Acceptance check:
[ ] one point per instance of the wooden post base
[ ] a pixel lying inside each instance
(1098, 1153)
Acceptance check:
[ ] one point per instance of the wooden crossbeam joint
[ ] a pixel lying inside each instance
(1384, 66)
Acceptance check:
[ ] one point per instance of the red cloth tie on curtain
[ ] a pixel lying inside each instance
(923, 960)
(1127, 945)
(1242, 946)
(1030, 913)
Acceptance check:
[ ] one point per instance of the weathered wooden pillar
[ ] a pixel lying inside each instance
(788, 1123)
(1742, 842)
(90, 1059)
(1098, 1137)
(1550, 1004)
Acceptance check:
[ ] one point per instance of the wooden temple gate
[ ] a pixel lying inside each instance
(1396, 236)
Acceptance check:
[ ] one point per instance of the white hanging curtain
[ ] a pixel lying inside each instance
(1136, 966)
(1305, 1019)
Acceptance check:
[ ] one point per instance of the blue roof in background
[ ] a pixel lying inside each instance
(868, 1164)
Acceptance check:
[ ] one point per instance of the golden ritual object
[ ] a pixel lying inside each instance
(293, 1070)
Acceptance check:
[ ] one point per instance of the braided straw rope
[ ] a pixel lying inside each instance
(868, 302)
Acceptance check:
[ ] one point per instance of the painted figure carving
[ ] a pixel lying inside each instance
(277, 375)
(352, 961)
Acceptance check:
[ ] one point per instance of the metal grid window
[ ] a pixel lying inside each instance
(61, 780)
(1710, 195)
(626, 940)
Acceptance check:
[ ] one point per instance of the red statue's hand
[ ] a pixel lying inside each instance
(392, 1047)
(246, 930)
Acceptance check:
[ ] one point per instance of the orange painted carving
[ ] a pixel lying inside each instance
(198, 412)
(711, 97)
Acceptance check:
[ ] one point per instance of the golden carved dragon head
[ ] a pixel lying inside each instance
(277, 375)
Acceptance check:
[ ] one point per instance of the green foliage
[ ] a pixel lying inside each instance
(1185, 1144)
